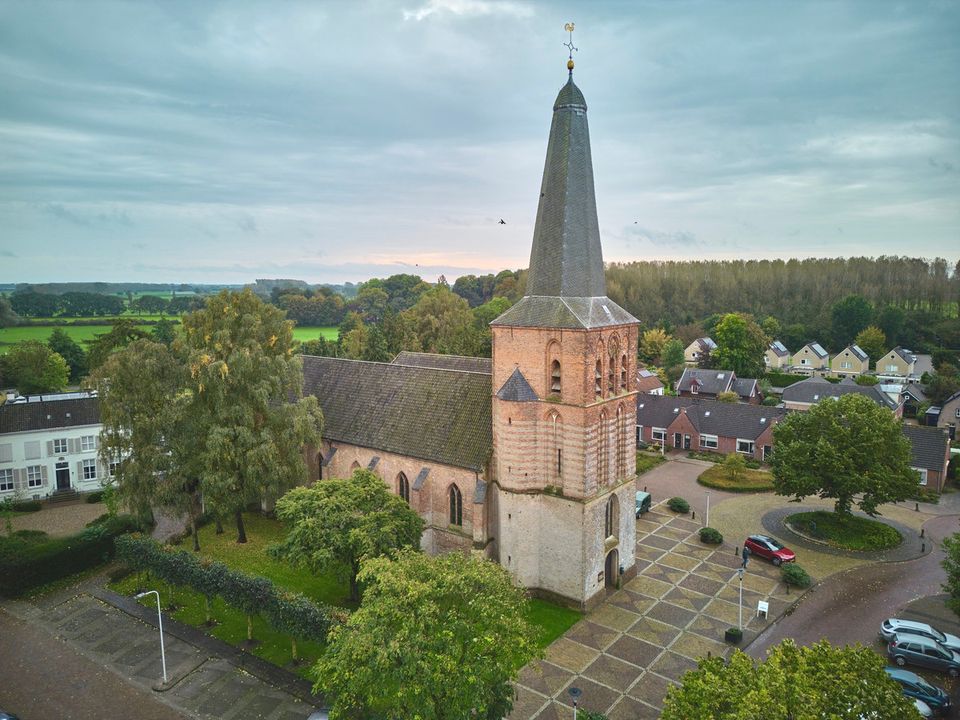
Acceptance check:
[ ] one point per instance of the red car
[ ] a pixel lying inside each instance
(767, 547)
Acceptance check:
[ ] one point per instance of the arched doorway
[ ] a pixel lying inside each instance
(611, 569)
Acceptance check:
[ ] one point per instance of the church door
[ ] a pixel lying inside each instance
(611, 569)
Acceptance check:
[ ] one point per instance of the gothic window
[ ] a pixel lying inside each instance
(403, 487)
(456, 506)
(611, 374)
(354, 466)
(623, 373)
(319, 466)
(621, 445)
(557, 447)
(603, 450)
(555, 377)
(598, 379)
(611, 523)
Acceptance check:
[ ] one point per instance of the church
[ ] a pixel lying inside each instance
(525, 457)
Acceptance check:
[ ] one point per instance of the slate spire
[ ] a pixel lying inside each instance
(566, 259)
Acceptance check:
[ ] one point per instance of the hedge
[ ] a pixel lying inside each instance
(27, 562)
(290, 613)
(25, 505)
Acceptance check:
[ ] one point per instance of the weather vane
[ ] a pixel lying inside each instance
(569, 44)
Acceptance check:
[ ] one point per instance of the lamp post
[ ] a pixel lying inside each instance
(707, 519)
(740, 603)
(575, 694)
(163, 656)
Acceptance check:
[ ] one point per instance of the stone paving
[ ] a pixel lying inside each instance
(626, 653)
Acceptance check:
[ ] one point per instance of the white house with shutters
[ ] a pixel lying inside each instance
(48, 446)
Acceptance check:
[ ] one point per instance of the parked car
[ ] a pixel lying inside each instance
(925, 710)
(916, 687)
(643, 502)
(770, 548)
(906, 649)
(891, 626)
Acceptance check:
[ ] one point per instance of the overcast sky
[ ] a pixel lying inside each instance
(331, 141)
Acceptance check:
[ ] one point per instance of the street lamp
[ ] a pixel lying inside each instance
(575, 693)
(707, 520)
(740, 603)
(163, 656)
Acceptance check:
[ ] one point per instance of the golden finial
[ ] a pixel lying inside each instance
(569, 45)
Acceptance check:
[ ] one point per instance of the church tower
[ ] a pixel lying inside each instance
(564, 404)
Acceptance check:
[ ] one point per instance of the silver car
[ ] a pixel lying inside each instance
(892, 626)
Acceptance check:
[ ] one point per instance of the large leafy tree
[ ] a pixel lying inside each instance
(34, 368)
(848, 317)
(652, 343)
(436, 638)
(741, 344)
(246, 401)
(69, 350)
(443, 323)
(842, 449)
(873, 342)
(337, 523)
(793, 683)
(123, 332)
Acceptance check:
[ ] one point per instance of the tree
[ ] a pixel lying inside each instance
(943, 383)
(841, 449)
(735, 466)
(8, 317)
(436, 638)
(728, 396)
(673, 353)
(165, 331)
(335, 524)
(246, 402)
(443, 322)
(848, 317)
(652, 343)
(771, 326)
(741, 345)
(793, 683)
(873, 342)
(890, 320)
(951, 564)
(69, 350)
(34, 368)
(123, 332)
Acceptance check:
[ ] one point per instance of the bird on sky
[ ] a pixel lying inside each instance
(502, 221)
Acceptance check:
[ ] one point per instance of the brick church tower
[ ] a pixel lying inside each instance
(564, 404)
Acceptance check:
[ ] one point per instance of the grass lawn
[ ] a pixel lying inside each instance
(12, 335)
(647, 461)
(251, 557)
(750, 481)
(302, 334)
(853, 533)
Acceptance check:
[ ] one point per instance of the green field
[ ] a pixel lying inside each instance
(302, 334)
(11, 336)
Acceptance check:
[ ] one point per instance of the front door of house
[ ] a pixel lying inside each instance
(686, 442)
(677, 440)
(63, 475)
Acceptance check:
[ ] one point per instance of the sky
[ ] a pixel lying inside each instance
(219, 142)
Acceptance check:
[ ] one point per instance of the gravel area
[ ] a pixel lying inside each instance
(60, 520)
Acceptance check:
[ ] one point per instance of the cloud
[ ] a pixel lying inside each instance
(8, 253)
(469, 8)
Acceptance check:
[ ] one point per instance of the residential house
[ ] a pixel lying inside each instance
(850, 362)
(688, 423)
(48, 446)
(710, 383)
(912, 397)
(801, 395)
(777, 357)
(902, 364)
(949, 417)
(929, 455)
(696, 350)
(810, 359)
(648, 382)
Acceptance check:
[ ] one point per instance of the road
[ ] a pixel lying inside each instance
(44, 677)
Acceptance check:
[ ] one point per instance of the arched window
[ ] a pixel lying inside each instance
(319, 466)
(555, 377)
(611, 522)
(556, 426)
(614, 353)
(403, 487)
(603, 450)
(598, 379)
(354, 466)
(621, 445)
(456, 506)
(623, 374)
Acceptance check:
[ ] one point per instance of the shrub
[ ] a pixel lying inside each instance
(753, 464)
(793, 574)
(710, 536)
(26, 506)
(678, 505)
(95, 497)
(30, 535)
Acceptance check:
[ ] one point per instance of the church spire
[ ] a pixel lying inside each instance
(566, 259)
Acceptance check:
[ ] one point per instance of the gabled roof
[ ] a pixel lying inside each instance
(440, 415)
(745, 387)
(709, 382)
(443, 362)
(908, 357)
(779, 349)
(815, 389)
(517, 389)
(49, 414)
(950, 399)
(708, 416)
(857, 352)
(916, 392)
(817, 349)
(705, 344)
(647, 381)
(928, 446)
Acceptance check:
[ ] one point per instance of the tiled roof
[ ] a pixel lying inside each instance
(517, 389)
(647, 381)
(905, 355)
(443, 362)
(745, 387)
(427, 413)
(928, 446)
(779, 349)
(916, 392)
(711, 382)
(565, 312)
(708, 416)
(815, 389)
(49, 414)
(706, 343)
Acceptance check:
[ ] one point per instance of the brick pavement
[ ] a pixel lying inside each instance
(626, 653)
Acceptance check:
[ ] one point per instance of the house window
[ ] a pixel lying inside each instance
(803, 361)
(891, 368)
(6, 479)
(403, 487)
(60, 446)
(88, 442)
(31, 450)
(708, 442)
(767, 452)
(658, 434)
(34, 476)
(6, 452)
(745, 446)
(555, 377)
(922, 472)
(957, 413)
(846, 365)
(694, 389)
(639, 434)
(90, 469)
(115, 466)
(456, 506)
(611, 522)
(598, 379)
